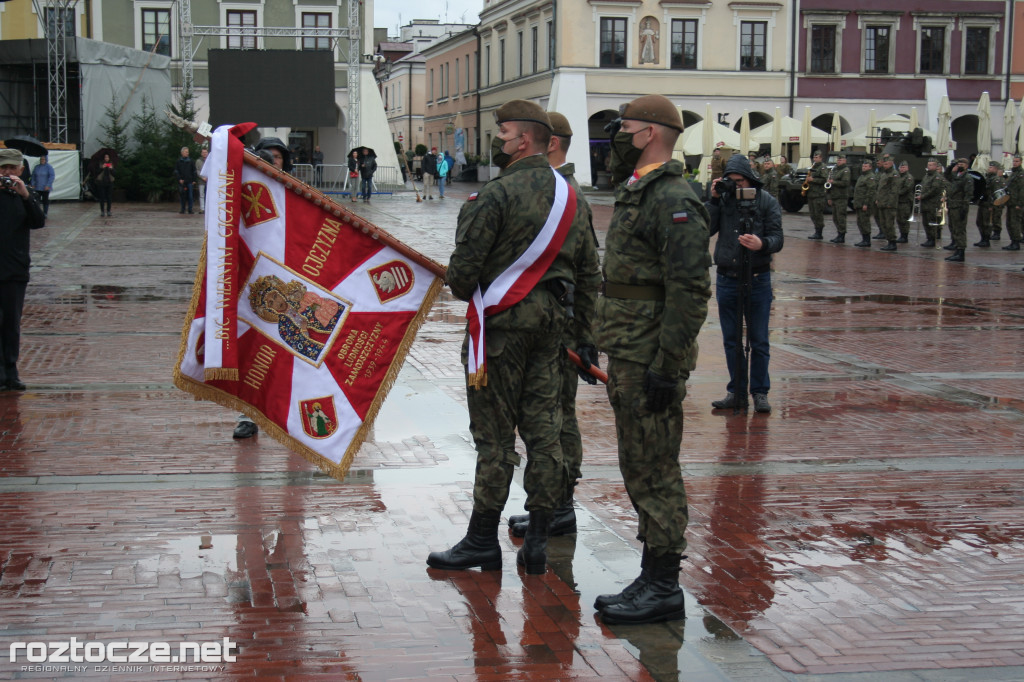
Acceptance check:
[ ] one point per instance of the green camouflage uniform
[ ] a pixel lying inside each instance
(587, 278)
(932, 187)
(887, 200)
(905, 203)
(1015, 207)
(839, 195)
(989, 214)
(657, 242)
(863, 199)
(816, 201)
(770, 182)
(524, 343)
(958, 201)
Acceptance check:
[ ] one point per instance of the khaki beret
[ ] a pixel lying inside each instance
(993, 164)
(559, 124)
(904, 163)
(934, 159)
(886, 157)
(522, 110)
(10, 157)
(962, 160)
(840, 155)
(653, 109)
(867, 160)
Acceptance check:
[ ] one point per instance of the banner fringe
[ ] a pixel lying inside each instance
(221, 374)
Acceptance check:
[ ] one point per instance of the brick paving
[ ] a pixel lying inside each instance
(868, 529)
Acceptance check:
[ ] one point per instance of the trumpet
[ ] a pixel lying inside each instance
(918, 190)
(828, 181)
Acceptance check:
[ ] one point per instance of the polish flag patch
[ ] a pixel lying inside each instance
(681, 217)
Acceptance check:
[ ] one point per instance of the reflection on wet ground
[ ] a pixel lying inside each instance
(871, 524)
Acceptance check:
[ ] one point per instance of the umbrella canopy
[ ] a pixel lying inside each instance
(984, 133)
(913, 118)
(790, 131)
(776, 139)
(745, 131)
(693, 140)
(942, 139)
(707, 144)
(805, 140)
(26, 144)
(360, 149)
(1009, 133)
(836, 138)
(96, 160)
(872, 131)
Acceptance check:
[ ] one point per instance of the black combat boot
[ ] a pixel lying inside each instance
(864, 241)
(902, 239)
(928, 242)
(533, 555)
(950, 246)
(816, 235)
(1012, 246)
(479, 548)
(563, 522)
(879, 236)
(659, 599)
(839, 239)
(983, 242)
(891, 246)
(630, 590)
(996, 235)
(956, 257)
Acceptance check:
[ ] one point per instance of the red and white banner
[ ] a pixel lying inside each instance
(303, 318)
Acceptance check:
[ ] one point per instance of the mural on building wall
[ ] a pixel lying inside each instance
(649, 40)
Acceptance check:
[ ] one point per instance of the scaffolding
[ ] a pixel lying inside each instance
(53, 17)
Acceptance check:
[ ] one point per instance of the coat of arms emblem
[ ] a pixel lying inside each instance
(391, 280)
(319, 417)
(257, 204)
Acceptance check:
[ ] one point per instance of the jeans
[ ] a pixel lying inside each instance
(440, 186)
(367, 188)
(185, 193)
(758, 309)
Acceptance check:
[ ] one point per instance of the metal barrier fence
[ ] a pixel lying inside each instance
(334, 179)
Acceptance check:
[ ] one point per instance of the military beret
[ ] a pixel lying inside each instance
(10, 157)
(934, 159)
(867, 159)
(993, 164)
(962, 160)
(653, 109)
(816, 152)
(904, 163)
(840, 155)
(559, 124)
(522, 110)
(886, 157)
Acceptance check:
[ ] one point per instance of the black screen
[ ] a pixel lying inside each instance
(273, 88)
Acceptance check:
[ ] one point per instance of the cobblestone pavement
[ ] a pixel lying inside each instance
(869, 528)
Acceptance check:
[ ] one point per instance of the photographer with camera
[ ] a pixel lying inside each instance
(748, 222)
(19, 213)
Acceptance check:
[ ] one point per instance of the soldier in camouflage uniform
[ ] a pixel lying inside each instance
(933, 187)
(770, 178)
(1015, 207)
(816, 201)
(863, 200)
(523, 341)
(839, 196)
(988, 213)
(905, 202)
(655, 300)
(563, 521)
(887, 201)
(958, 201)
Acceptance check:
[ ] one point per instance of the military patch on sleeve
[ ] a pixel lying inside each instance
(681, 217)
(472, 197)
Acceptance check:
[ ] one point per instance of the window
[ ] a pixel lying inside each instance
(536, 48)
(977, 49)
(613, 42)
(52, 14)
(316, 20)
(501, 61)
(684, 43)
(469, 87)
(457, 76)
(823, 49)
(519, 40)
(933, 44)
(551, 45)
(876, 49)
(487, 64)
(246, 19)
(156, 31)
(430, 86)
(752, 45)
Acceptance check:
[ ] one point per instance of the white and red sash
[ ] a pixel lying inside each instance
(512, 285)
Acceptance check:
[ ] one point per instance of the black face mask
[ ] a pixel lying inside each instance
(624, 156)
(500, 158)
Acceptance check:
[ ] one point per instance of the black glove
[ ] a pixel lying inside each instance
(588, 358)
(660, 391)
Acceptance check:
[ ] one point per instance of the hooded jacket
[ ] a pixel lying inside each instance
(726, 221)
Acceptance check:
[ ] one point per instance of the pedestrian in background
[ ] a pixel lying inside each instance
(655, 301)
(201, 181)
(42, 182)
(318, 162)
(430, 174)
(103, 182)
(19, 213)
(367, 167)
(185, 173)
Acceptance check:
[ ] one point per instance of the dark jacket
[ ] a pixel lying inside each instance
(17, 217)
(726, 222)
(430, 164)
(185, 169)
(367, 166)
(353, 165)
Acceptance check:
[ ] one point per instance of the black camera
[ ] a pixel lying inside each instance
(8, 184)
(728, 189)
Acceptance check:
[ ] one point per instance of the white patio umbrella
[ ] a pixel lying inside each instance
(776, 138)
(805, 140)
(708, 135)
(984, 133)
(745, 131)
(1009, 133)
(872, 133)
(836, 138)
(913, 119)
(943, 143)
(707, 138)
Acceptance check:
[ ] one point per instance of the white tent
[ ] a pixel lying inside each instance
(790, 132)
(691, 143)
